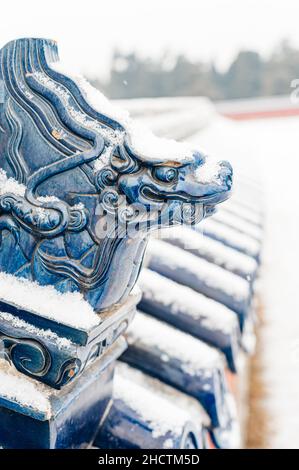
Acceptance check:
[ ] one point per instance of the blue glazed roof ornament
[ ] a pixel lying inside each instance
(80, 188)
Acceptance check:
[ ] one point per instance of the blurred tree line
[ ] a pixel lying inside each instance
(249, 75)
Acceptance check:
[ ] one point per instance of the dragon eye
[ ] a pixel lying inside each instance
(165, 174)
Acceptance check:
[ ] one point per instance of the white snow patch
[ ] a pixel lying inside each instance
(239, 224)
(162, 416)
(10, 185)
(83, 119)
(250, 215)
(36, 332)
(150, 147)
(47, 199)
(163, 407)
(214, 276)
(95, 98)
(212, 250)
(23, 390)
(209, 172)
(69, 308)
(79, 206)
(178, 398)
(213, 315)
(143, 141)
(168, 444)
(104, 159)
(193, 354)
(233, 434)
(234, 238)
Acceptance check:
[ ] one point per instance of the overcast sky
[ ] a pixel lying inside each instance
(88, 30)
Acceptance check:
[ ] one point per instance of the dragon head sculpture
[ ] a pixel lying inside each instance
(80, 186)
